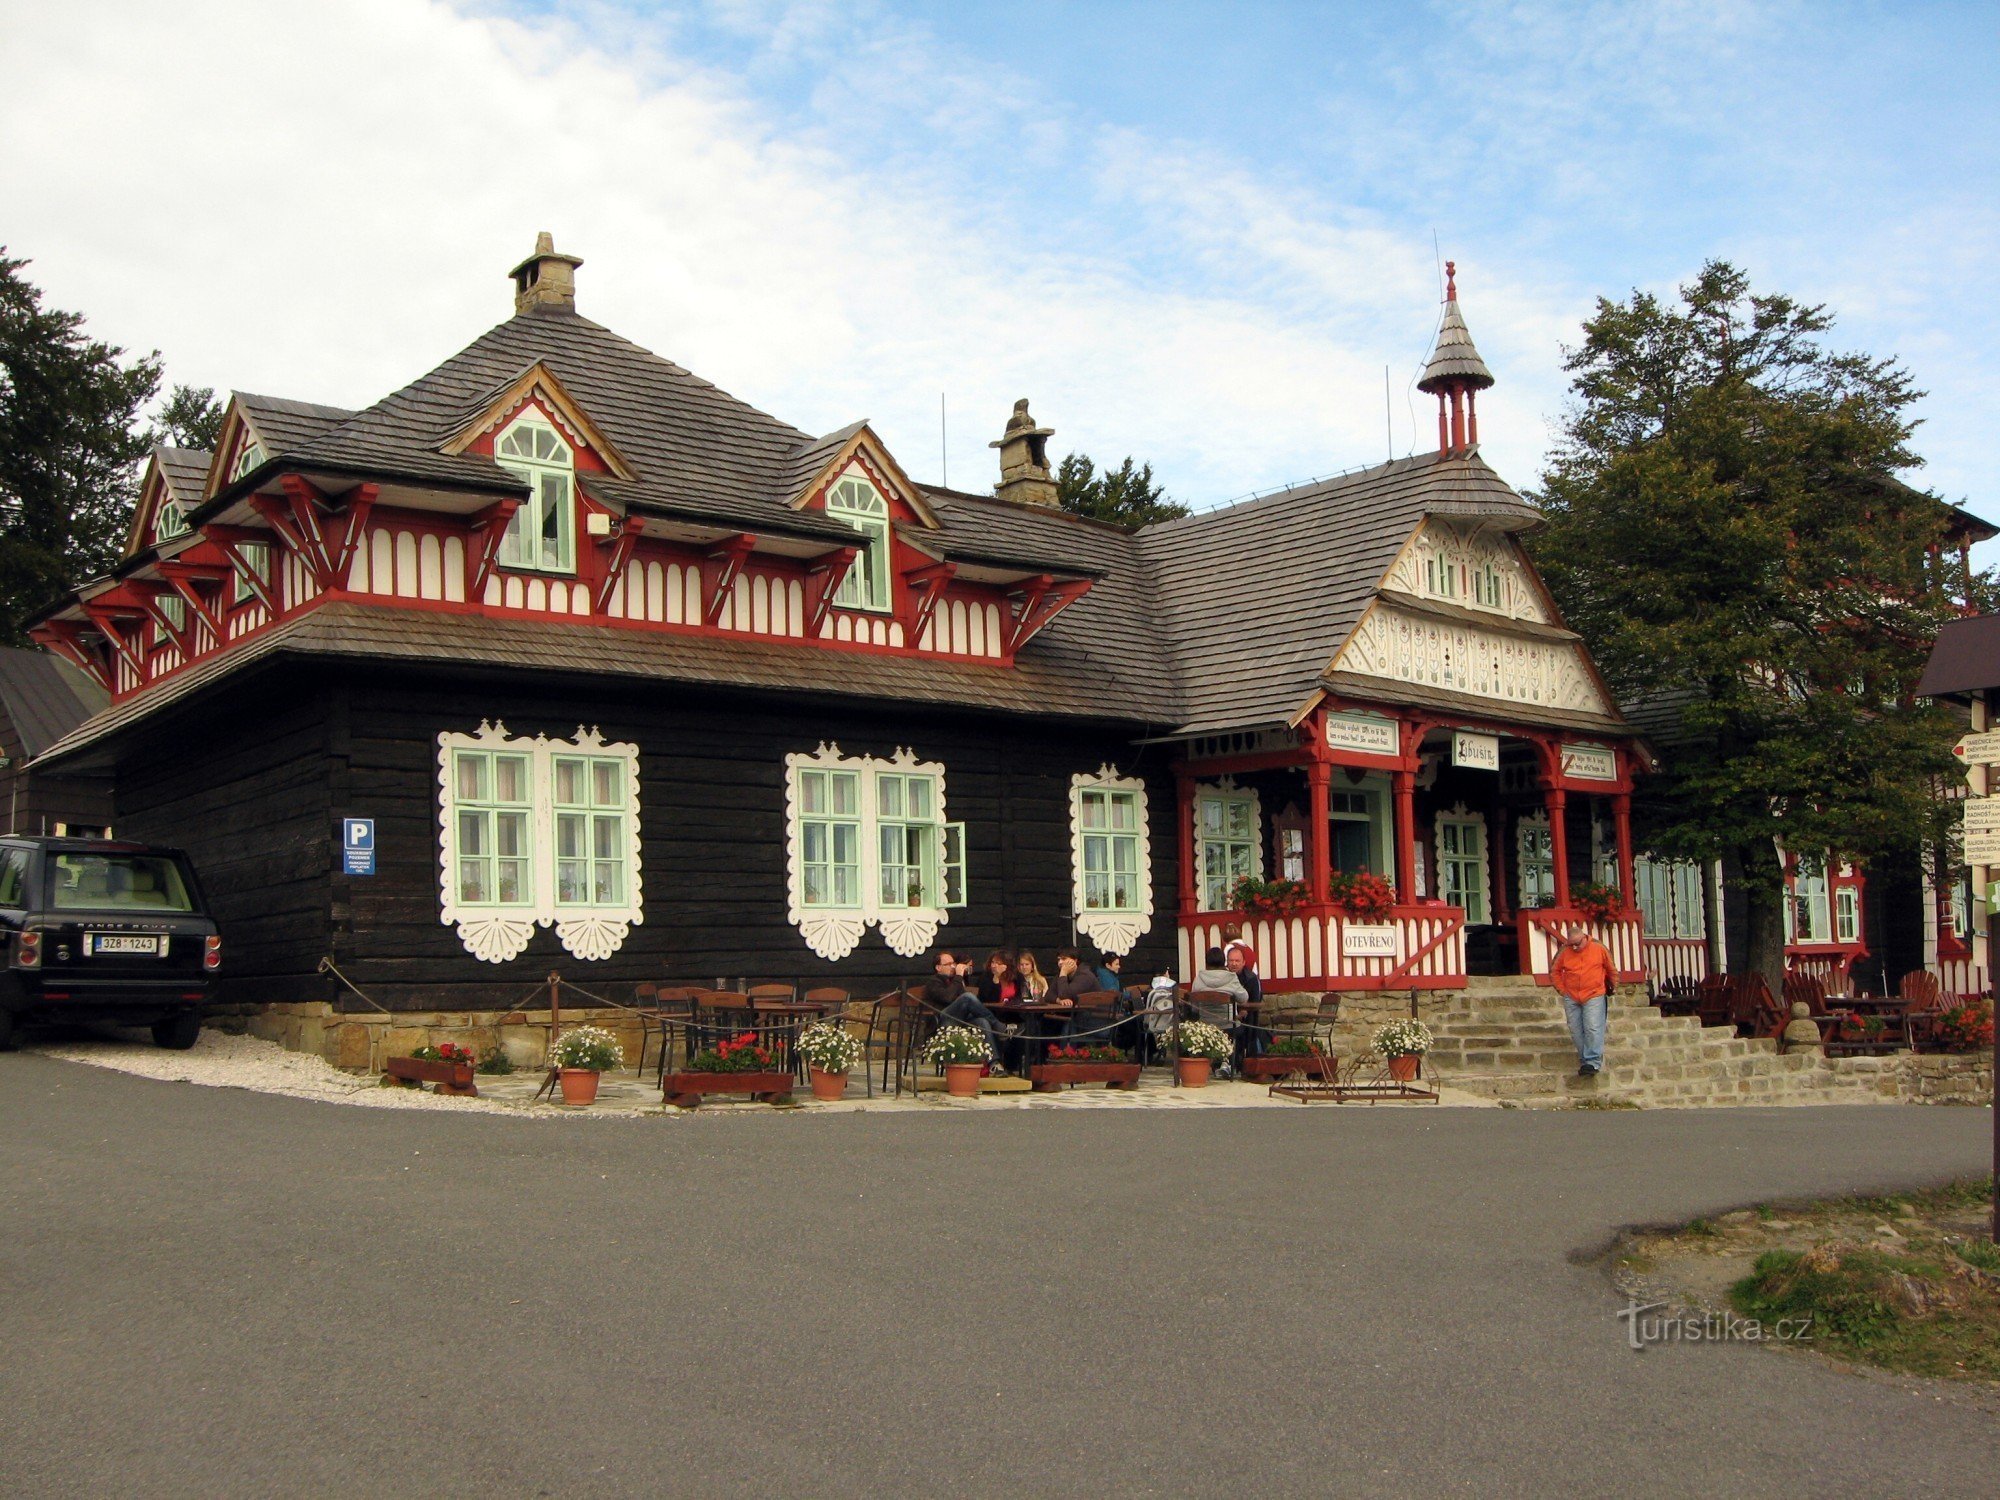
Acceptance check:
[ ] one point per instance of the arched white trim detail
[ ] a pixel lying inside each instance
(1112, 930)
(833, 931)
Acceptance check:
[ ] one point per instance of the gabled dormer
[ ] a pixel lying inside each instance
(169, 490)
(850, 477)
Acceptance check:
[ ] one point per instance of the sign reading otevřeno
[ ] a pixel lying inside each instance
(1367, 940)
(1589, 763)
(1477, 752)
(1363, 732)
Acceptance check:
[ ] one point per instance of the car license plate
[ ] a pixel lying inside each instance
(116, 942)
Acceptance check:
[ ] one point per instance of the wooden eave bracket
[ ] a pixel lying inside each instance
(489, 528)
(1037, 602)
(105, 619)
(618, 549)
(189, 581)
(329, 557)
(147, 592)
(720, 569)
(65, 637)
(232, 540)
(926, 588)
(823, 580)
(360, 504)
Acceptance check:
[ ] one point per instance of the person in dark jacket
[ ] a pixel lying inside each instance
(1241, 962)
(945, 992)
(1073, 981)
(1108, 977)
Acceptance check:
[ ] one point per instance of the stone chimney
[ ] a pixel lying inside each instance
(545, 279)
(1024, 459)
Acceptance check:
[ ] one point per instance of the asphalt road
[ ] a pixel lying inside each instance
(209, 1292)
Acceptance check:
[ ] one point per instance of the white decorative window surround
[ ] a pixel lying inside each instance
(538, 832)
(866, 846)
(1111, 859)
(1229, 839)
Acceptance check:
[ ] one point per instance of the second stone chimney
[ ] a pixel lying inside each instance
(1024, 460)
(545, 279)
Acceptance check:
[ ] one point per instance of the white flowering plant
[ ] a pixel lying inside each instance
(588, 1047)
(957, 1044)
(1403, 1039)
(830, 1047)
(1200, 1039)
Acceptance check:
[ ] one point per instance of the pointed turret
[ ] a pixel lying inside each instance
(1456, 374)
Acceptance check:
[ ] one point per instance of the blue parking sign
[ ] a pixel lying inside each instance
(357, 846)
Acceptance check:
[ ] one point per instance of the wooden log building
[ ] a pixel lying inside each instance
(635, 681)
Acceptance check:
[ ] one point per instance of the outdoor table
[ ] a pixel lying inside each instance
(1027, 1011)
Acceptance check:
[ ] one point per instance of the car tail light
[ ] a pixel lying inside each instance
(211, 952)
(28, 953)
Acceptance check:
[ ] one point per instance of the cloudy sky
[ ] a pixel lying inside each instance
(1195, 233)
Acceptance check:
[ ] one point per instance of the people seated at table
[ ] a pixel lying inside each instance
(1217, 977)
(1241, 962)
(1033, 982)
(946, 993)
(999, 985)
(1073, 981)
(1108, 975)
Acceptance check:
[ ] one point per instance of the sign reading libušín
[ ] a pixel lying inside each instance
(639, 683)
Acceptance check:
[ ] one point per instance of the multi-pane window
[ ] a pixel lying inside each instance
(1110, 825)
(1847, 915)
(1461, 847)
(830, 837)
(856, 502)
(1535, 858)
(247, 458)
(1227, 821)
(590, 831)
(256, 559)
(1811, 918)
(542, 534)
(492, 805)
(1352, 839)
(1670, 897)
(906, 826)
(169, 522)
(954, 864)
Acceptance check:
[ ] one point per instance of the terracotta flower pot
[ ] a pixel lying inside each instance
(1192, 1072)
(579, 1085)
(828, 1085)
(961, 1080)
(1403, 1067)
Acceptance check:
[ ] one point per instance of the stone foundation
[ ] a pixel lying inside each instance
(361, 1042)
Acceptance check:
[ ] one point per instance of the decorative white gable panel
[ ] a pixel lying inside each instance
(1473, 567)
(538, 832)
(838, 887)
(1400, 647)
(1111, 859)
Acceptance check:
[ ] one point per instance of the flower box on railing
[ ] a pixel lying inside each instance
(685, 1090)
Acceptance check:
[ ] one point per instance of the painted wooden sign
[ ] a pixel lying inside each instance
(1367, 940)
(1979, 749)
(1982, 831)
(1476, 752)
(1589, 762)
(1362, 732)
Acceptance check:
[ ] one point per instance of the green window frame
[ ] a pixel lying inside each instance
(1847, 915)
(492, 805)
(247, 458)
(1227, 821)
(1535, 862)
(1461, 848)
(169, 521)
(1809, 907)
(830, 839)
(866, 584)
(909, 838)
(953, 867)
(1109, 819)
(589, 809)
(541, 537)
(258, 556)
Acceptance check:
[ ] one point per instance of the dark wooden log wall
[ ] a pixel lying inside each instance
(35, 802)
(253, 785)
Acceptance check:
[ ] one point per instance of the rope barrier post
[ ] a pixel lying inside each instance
(555, 1026)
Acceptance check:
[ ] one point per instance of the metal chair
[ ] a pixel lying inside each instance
(671, 1007)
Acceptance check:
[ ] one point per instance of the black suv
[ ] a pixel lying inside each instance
(98, 930)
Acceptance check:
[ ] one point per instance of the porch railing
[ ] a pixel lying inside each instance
(1676, 958)
(1418, 947)
(1541, 934)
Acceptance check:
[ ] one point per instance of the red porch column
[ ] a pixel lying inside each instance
(1556, 800)
(1319, 866)
(1184, 785)
(1406, 837)
(1621, 817)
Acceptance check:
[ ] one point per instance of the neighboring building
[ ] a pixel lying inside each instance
(1958, 931)
(42, 699)
(636, 680)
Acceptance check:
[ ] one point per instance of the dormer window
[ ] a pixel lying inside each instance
(866, 585)
(251, 455)
(169, 522)
(542, 535)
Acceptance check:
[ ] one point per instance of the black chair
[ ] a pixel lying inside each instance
(663, 1011)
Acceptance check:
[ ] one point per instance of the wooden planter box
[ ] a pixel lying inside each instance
(1048, 1077)
(686, 1089)
(1263, 1069)
(450, 1077)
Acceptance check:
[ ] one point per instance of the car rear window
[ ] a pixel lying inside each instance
(117, 882)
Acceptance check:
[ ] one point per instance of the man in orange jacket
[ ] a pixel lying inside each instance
(1582, 975)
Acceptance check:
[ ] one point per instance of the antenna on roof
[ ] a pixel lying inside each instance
(1388, 421)
(944, 447)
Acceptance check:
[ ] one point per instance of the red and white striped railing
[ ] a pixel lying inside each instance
(1418, 947)
(1541, 934)
(1676, 958)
